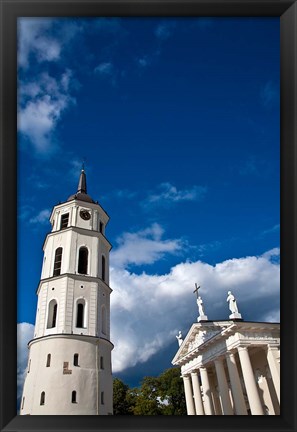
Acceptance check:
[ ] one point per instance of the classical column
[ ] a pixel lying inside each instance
(197, 394)
(189, 395)
(249, 381)
(238, 398)
(274, 369)
(223, 387)
(208, 406)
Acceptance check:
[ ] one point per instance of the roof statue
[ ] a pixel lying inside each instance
(179, 338)
(233, 306)
(202, 316)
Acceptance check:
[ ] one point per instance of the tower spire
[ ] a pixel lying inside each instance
(82, 184)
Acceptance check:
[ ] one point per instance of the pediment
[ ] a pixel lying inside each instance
(198, 335)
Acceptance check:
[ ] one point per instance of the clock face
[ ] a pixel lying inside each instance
(85, 214)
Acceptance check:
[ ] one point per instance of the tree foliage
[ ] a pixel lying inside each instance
(163, 395)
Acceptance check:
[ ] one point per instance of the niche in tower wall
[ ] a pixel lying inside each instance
(66, 371)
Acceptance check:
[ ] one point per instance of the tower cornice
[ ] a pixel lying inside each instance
(79, 230)
(75, 276)
(76, 336)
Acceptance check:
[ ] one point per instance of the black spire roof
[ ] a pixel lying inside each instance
(81, 193)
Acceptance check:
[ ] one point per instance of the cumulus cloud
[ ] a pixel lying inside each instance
(148, 310)
(41, 104)
(25, 333)
(34, 40)
(41, 217)
(104, 68)
(169, 194)
(143, 247)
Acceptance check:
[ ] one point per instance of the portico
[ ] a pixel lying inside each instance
(231, 368)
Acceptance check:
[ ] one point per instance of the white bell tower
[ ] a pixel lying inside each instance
(69, 363)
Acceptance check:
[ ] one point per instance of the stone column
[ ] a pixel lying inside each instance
(189, 395)
(238, 398)
(249, 381)
(223, 387)
(197, 394)
(274, 369)
(208, 406)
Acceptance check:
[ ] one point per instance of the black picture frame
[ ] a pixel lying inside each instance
(10, 11)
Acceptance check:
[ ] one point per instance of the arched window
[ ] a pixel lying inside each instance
(48, 360)
(73, 397)
(83, 260)
(52, 314)
(80, 314)
(42, 398)
(58, 261)
(103, 267)
(103, 320)
(75, 360)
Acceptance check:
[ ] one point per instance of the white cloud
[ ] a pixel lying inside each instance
(41, 104)
(25, 333)
(34, 39)
(168, 194)
(148, 310)
(41, 217)
(104, 68)
(143, 247)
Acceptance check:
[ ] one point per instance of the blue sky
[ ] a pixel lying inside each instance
(178, 122)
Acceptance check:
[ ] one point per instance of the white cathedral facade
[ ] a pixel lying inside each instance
(230, 367)
(69, 364)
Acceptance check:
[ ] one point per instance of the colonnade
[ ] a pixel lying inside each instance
(200, 393)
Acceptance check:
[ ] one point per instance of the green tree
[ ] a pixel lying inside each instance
(171, 392)
(163, 395)
(121, 401)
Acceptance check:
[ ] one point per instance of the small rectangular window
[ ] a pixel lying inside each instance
(101, 227)
(23, 401)
(102, 398)
(64, 221)
(29, 365)
(48, 360)
(73, 397)
(101, 363)
(75, 360)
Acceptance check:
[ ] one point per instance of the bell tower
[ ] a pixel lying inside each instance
(69, 363)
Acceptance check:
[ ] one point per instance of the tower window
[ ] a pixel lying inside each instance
(101, 227)
(101, 363)
(103, 320)
(73, 397)
(83, 260)
(58, 261)
(29, 365)
(103, 267)
(64, 221)
(48, 360)
(102, 398)
(23, 401)
(42, 398)
(80, 314)
(75, 360)
(52, 314)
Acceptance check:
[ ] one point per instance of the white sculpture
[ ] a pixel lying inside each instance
(232, 302)
(233, 306)
(179, 338)
(200, 306)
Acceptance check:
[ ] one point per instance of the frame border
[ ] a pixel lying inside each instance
(10, 10)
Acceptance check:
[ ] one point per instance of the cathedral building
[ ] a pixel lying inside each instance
(230, 367)
(69, 363)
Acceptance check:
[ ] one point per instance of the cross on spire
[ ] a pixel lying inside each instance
(196, 290)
